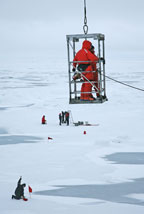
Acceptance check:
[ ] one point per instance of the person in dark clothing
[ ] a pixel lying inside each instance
(63, 114)
(19, 191)
(60, 119)
(65, 121)
(67, 118)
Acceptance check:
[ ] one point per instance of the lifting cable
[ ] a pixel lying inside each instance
(85, 27)
(89, 81)
(140, 89)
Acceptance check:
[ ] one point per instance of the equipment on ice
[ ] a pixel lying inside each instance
(81, 123)
(86, 123)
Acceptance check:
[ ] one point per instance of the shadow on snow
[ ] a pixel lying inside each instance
(117, 193)
(17, 139)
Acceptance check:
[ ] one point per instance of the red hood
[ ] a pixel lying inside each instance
(87, 45)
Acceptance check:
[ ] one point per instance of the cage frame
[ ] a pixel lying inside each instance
(71, 51)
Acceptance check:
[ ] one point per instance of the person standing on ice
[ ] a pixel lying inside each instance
(84, 60)
(67, 118)
(63, 114)
(19, 191)
(60, 119)
(43, 119)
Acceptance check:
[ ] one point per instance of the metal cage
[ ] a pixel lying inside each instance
(75, 86)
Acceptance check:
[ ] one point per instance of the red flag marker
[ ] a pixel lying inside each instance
(30, 189)
(25, 199)
(84, 132)
(50, 138)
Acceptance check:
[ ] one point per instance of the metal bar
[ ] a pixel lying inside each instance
(75, 88)
(82, 61)
(90, 82)
(88, 71)
(104, 69)
(72, 82)
(69, 69)
(99, 55)
(83, 36)
(79, 92)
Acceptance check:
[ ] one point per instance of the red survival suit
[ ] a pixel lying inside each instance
(43, 120)
(90, 60)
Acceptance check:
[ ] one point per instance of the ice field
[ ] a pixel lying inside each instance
(102, 171)
(99, 172)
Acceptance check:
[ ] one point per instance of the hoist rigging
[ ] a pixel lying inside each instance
(85, 27)
(86, 70)
(89, 87)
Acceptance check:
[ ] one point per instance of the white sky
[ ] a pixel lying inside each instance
(42, 24)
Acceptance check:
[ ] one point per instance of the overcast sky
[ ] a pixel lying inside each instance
(43, 24)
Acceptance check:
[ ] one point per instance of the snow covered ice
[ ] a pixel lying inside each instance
(73, 172)
(101, 171)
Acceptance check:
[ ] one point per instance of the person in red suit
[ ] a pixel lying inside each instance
(43, 119)
(85, 61)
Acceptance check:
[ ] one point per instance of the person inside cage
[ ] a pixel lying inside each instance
(95, 74)
(85, 61)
